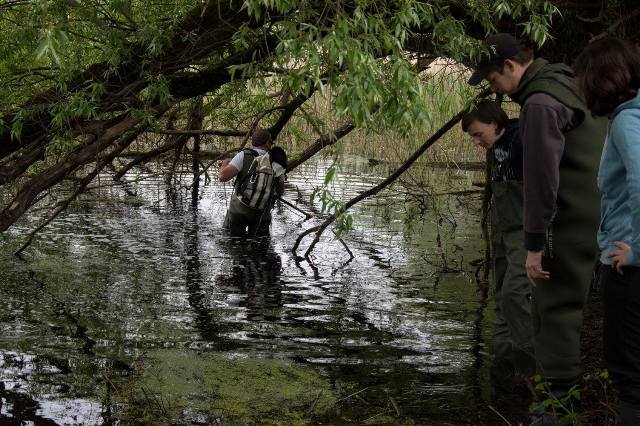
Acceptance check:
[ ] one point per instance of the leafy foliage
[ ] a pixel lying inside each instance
(362, 49)
(561, 407)
(71, 70)
(329, 204)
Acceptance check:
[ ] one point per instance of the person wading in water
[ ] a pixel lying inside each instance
(260, 175)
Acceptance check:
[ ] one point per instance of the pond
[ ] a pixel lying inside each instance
(132, 307)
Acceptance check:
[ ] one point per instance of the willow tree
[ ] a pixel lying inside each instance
(83, 81)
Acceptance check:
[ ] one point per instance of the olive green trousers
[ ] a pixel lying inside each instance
(243, 221)
(513, 330)
(557, 307)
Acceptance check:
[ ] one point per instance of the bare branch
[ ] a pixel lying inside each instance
(215, 132)
(390, 179)
(323, 141)
(71, 162)
(84, 182)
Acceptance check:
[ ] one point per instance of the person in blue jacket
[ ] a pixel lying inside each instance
(608, 72)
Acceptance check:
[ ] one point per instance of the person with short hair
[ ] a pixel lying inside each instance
(490, 128)
(562, 143)
(241, 219)
(608, 73)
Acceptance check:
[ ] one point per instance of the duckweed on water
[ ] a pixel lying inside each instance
(176, 387)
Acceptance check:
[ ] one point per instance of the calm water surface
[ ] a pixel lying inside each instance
(125, 272)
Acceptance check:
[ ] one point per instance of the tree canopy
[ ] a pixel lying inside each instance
(83, 81)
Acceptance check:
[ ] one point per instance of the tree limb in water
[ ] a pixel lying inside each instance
(86, 153)
(77, 158)
(84, 182)
(390, 179)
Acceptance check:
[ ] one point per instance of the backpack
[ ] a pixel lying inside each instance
(256, 188)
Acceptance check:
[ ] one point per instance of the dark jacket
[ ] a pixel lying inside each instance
(507, 155)
(576, 217)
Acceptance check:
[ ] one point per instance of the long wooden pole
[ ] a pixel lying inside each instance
(294, 207)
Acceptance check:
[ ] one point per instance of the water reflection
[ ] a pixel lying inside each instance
(19, 407)
(155, 272)
(255, 271)
(206, 320)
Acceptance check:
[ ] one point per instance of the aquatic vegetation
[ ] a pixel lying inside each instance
(176, 385)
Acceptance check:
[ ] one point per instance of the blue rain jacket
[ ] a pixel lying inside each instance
(619, 182)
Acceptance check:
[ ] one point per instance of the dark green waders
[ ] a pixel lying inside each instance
(557, 303)
(243, 221)
(513, 331)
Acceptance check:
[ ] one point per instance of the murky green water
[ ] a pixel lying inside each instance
(131, 298)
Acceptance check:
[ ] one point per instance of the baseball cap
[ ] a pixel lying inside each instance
(505, 46)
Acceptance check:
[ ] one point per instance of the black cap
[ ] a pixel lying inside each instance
(505, 46)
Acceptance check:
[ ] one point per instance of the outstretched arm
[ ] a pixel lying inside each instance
(230, 168)
(227, 171)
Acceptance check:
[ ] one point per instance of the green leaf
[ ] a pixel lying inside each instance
(329, 177)
(43, 46)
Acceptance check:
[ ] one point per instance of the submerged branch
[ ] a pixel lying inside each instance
(84, 182)
(346, 247)
(294, 207)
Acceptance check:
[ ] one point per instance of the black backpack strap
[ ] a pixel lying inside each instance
(241, 179)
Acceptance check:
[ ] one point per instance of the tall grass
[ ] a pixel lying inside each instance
(449, 94)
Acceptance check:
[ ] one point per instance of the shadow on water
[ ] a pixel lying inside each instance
(21, 409)
(254, 272)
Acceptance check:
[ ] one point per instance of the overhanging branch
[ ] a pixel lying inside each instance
(390, 179)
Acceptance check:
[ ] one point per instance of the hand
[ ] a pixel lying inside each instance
(618, 257)
(534, 267)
